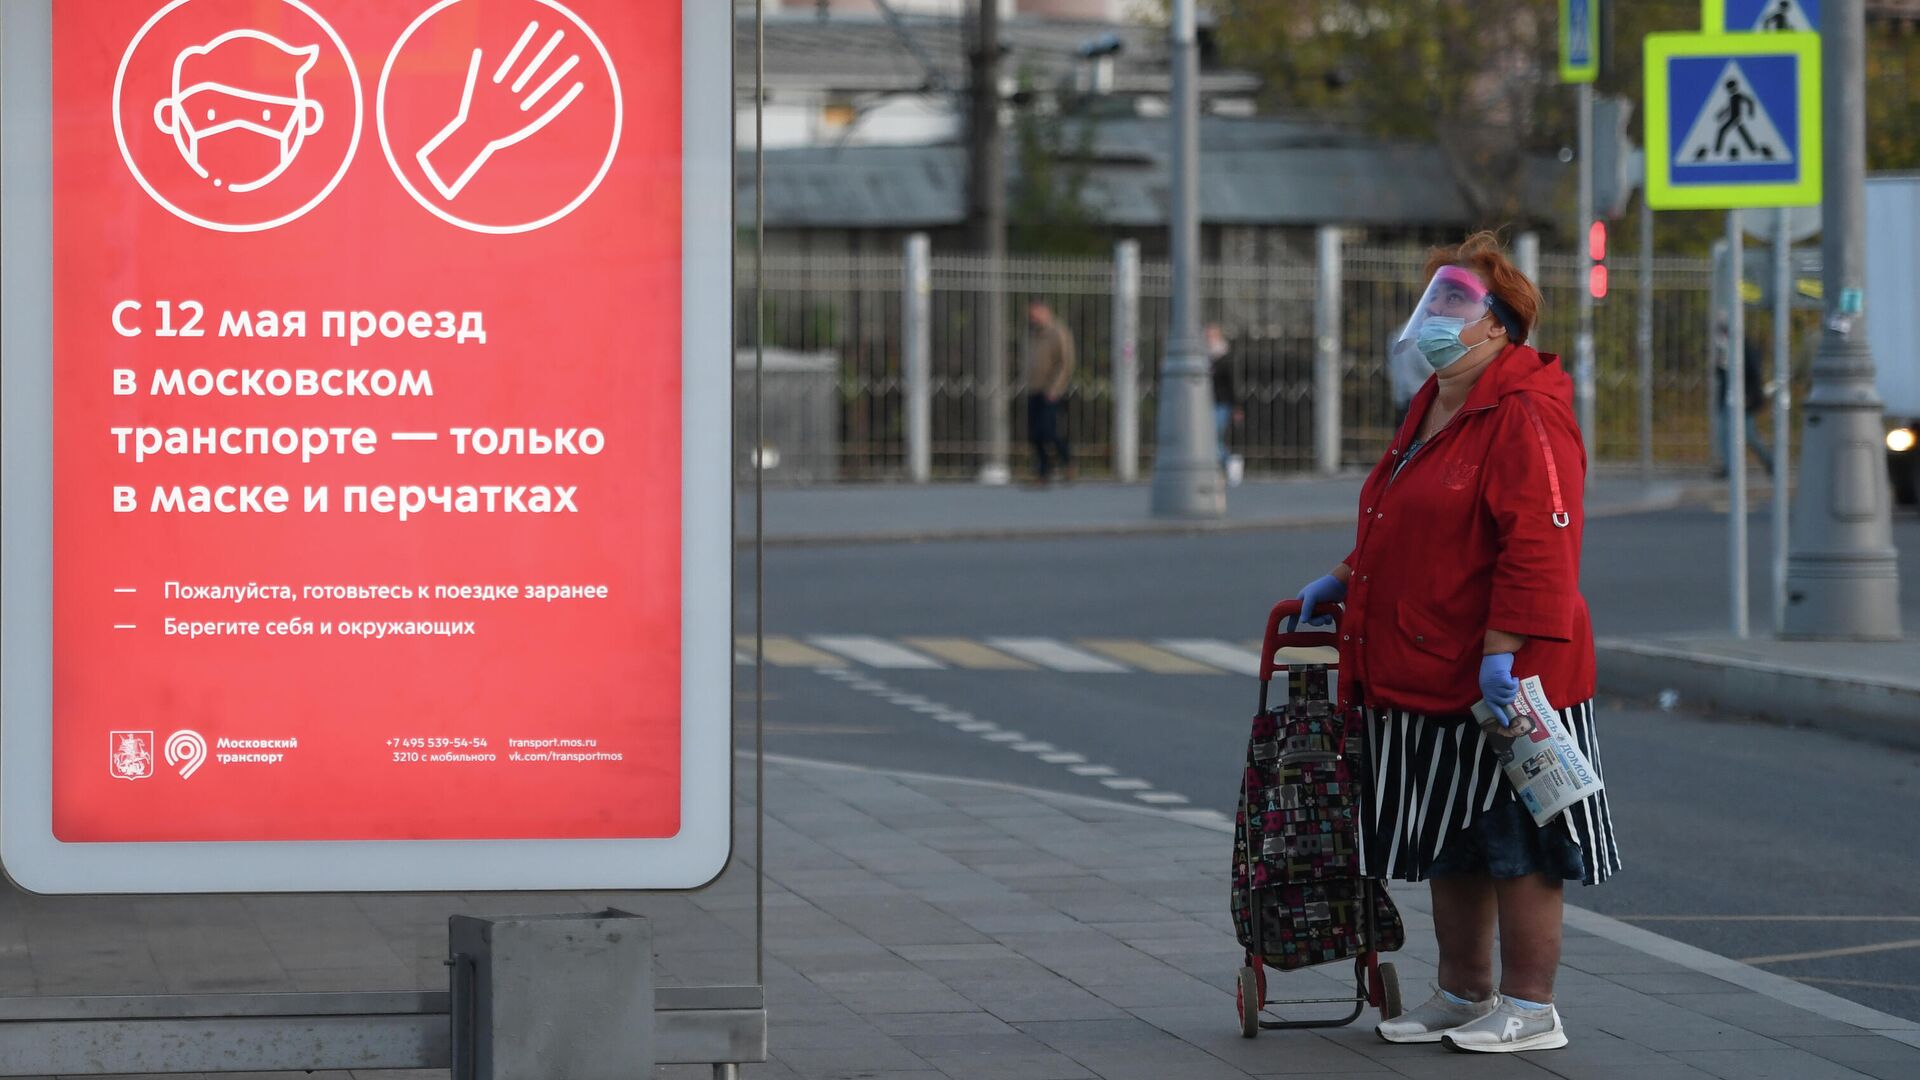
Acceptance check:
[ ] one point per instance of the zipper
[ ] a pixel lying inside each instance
(1428, 445)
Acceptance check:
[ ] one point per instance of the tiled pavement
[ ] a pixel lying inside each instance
(925, 928)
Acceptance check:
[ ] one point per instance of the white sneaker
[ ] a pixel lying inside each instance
(1509, 1028)
(1426, 1023)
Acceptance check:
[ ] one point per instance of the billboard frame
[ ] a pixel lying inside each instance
(702, 848)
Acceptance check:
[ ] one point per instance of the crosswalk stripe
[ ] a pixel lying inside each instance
(966, 653)
(1057, 655)
(1127, 784)
(1218, 653)
(783, 651)
(1160, 798)
(1093, 770)
(1064, 757)
(1141, 655)
(873, 651)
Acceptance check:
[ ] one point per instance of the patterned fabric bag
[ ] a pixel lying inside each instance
(1303, 836)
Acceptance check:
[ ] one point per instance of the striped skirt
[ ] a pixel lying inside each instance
(1431, 778)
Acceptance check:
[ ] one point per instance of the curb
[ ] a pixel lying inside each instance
(1865, 708)
(1670, 500)
(1765, 983)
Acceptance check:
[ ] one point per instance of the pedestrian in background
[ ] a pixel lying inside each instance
(1754, 385)
(1226, 402)
(1049, 373)
(1464, 579)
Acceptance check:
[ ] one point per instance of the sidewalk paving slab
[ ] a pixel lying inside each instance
(888, 959)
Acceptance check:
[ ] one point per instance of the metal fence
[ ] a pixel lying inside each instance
(835, 330)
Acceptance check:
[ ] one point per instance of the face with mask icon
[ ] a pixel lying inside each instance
(1454, 318)
(239, 111)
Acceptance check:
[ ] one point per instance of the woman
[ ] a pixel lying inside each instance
(1463, 581)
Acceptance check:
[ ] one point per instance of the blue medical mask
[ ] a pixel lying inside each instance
(1439, 340)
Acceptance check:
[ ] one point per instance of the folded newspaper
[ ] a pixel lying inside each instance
(1542, 762)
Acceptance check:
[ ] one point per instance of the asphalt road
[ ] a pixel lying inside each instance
(1786, 847)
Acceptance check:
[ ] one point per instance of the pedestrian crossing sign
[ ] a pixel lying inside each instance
(1733, 120)
(1747, 16)
(1579, 40)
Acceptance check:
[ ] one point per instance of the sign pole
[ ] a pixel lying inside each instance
(1643, 338)
(1843, 577)
(1782, 406)
(1583, 341)
(1736, 429)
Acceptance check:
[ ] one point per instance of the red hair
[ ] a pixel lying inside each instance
(1481, 253)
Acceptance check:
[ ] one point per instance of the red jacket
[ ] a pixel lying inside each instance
(1473, 535)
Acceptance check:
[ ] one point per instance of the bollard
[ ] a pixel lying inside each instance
(1526, 254)
(917, 356)
(1326, 352)
(1126, 361)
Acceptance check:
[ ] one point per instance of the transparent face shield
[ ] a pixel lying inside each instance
(1455, 299)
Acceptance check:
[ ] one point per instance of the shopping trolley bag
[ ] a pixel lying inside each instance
(1299, 897)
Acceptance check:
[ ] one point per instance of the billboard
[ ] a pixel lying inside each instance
(367, 443)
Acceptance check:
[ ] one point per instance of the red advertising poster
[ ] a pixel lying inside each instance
(367, 428)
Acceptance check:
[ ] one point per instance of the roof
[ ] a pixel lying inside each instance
(866, 54)
(1254, 171)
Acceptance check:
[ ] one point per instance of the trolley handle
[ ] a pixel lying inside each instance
(1276, 640)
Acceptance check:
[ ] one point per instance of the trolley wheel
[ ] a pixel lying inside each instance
(1389, 992)
(1246, 996)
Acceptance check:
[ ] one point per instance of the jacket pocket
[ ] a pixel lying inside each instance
(1427, 633)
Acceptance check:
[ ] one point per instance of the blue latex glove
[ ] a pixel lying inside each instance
(1320, 592)
(1497, 683)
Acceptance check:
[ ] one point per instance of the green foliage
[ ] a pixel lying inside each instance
(1475, 77)
(1047, 213)
(1893, 98)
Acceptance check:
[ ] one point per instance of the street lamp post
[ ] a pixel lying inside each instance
(1187, 481)
(1843, 579)
(988, 193)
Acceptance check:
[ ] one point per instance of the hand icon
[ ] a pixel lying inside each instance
(494, 114)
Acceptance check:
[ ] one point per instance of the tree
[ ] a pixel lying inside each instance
(1472, 76)
(1054, 154)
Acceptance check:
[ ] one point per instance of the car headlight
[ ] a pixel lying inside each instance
(1900, 440)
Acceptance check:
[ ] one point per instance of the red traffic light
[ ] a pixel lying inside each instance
(1597, 241)
(1597, 281)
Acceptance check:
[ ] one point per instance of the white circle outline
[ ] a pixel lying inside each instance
(380, 126)
(353, 146)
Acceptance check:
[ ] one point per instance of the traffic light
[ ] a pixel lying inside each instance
(1597, 260)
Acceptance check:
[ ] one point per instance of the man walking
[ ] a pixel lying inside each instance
(1049, 372)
